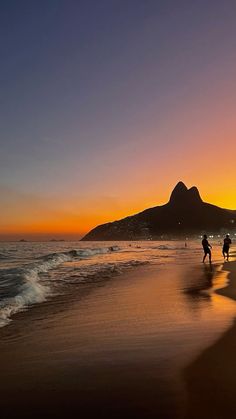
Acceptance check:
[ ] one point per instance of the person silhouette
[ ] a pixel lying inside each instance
(206, 248)
(226, 246)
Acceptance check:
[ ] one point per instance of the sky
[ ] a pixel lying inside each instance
(105, 105)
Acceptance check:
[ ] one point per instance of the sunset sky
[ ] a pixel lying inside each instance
(105, 105)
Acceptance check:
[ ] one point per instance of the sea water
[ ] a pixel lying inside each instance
(115, 323)
(32, 272)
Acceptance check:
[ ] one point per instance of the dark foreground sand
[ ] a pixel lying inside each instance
(104, 352)
(90, 355)
(211, 379)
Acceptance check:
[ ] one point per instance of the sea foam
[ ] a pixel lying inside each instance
(30, 290)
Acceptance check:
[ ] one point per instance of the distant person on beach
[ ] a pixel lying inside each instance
(226, 246)
(206, 248)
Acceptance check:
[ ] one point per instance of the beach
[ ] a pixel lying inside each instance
(126, 345)
(211, 379)
(117, 124)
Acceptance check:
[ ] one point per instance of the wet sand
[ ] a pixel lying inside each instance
(87, 356)
(211, 379)
(115, 348)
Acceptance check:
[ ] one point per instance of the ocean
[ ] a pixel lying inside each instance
(33, 272)
(115, 323)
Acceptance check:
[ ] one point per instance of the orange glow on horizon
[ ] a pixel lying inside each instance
(70, 225)
(92, 140)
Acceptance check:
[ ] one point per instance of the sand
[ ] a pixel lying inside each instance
(105, 352)
(211, 379)
(86, 357)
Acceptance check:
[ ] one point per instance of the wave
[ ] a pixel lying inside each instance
(21, 287)
(79, 253)
(99, 272)
(4, 256)
(162, 247)
(170, 247)
(31, 292)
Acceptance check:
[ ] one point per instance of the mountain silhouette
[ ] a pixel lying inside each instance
(182, 196)
(185, 214)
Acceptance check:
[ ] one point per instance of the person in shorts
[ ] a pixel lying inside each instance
(226, 246)
(206, 248)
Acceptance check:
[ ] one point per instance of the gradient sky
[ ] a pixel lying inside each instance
(105, 105)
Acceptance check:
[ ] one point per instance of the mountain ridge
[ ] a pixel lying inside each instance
(184, 214)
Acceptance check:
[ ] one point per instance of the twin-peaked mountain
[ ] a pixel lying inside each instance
(185, 214)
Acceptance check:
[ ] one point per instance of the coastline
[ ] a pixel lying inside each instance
(56, 363)
(211, 378)
(230, 289)
(106, 349)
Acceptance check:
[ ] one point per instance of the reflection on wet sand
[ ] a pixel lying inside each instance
(211, 379)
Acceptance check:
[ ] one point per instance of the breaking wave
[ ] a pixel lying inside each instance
(21, 287)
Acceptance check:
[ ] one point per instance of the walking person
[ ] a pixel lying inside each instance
(226, 246)
(206, 248)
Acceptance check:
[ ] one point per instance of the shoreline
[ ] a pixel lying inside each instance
(55, 367)
(211, 378)
(230, 289)
(102, 344)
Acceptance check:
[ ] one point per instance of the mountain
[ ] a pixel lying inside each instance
(185, 214)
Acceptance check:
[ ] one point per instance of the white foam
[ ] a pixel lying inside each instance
(96, 251)
(32, 291)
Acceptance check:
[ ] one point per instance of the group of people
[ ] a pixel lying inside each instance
(207, 247)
